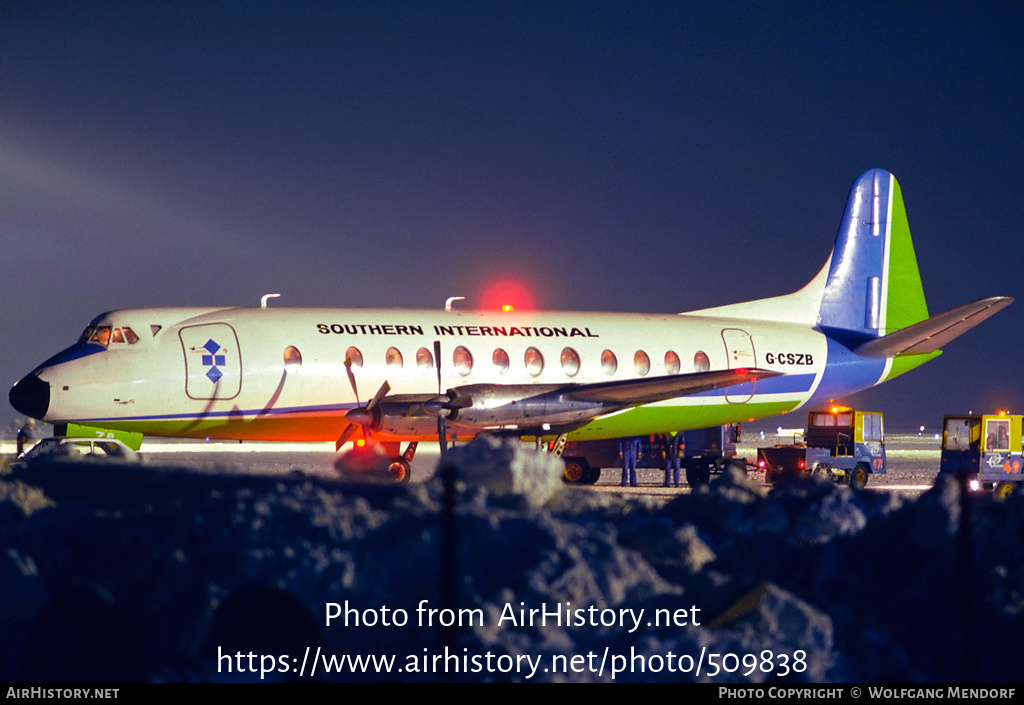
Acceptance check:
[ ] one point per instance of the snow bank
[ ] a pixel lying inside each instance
(812, 582)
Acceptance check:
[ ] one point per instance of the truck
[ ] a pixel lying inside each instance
(986, 449)
(840, 443)
(703, 452)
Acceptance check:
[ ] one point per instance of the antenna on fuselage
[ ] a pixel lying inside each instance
(263, 301)
(451, 300)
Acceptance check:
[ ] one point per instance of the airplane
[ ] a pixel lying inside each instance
(295, 374)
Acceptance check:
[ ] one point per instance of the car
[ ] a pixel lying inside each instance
(72, 448)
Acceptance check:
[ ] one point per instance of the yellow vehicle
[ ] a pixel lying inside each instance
(986, 449)
(840, 443)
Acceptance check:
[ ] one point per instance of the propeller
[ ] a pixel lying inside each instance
(444, 405)
(367, 417)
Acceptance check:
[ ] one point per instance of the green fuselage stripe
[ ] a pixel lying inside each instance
(669, 419)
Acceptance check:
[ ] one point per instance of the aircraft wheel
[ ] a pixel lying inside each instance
(400, 470)
(577, 471)
(859, 476)
(699, 474)
(1005, 489)
(593, 476)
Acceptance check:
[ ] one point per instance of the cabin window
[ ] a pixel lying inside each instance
(961, 434)
(701, 362)
(354, 357)
(500, 360)
(424, 360)
(570, 362)
(608, 362)
(292, 358)
(672, 364)
(872, 428)
(823, 420)
(641, 363)
(393, 358)
(997, 434)
(534, 361)
(462, 359)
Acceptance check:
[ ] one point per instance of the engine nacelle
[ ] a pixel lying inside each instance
(493, 405)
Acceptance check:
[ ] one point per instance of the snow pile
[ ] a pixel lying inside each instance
(135, 573)
(504, 466)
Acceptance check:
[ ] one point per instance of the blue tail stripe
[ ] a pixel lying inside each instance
(852, 297)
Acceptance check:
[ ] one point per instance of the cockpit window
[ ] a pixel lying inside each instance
(101, 336)
(105, 335)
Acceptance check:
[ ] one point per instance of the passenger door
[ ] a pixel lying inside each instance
(213, 361)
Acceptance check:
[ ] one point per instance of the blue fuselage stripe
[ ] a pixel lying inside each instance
(846, 373)
(786, 384)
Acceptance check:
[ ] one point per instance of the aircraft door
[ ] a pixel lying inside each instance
(213, 361)
(739, 349)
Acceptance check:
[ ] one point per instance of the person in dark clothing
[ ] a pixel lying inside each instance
(630, 449)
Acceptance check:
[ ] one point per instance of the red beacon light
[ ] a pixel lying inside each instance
(507, 308)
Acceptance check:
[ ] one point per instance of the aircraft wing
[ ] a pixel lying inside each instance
(931, 334)
(646, 391)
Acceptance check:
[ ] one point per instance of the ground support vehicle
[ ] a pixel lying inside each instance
(78, 448)
(703, 452)
(986, 449)
(842, 444)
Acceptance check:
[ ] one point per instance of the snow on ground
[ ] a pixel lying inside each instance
(140, 573)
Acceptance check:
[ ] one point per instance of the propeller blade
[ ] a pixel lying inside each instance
(351, 378)
(384, 389)
(442, 431)
(345, 435)
(437, 359)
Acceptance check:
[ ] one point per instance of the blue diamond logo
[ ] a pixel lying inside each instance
(211, 346)
(214, 374)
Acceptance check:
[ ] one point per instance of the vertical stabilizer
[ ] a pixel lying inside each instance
(873, 284)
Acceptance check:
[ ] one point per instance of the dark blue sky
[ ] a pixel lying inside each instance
(610, 156)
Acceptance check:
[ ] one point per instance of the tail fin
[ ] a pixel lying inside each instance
(869, 297)
(873, 285)
(874, 288)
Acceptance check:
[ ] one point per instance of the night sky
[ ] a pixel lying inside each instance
(604, 156)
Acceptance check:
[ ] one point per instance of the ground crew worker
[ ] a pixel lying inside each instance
(630, 449)
(672, 461)
(24, 436)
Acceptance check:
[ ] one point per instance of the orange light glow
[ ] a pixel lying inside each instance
(507, 295)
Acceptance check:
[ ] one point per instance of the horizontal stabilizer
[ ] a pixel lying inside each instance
(931, 334)
(647, 391)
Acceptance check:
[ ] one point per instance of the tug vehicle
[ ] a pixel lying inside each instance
(840, 443)
(703, 452)
(987, 449)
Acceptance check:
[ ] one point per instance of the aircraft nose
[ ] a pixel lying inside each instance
(31, 396)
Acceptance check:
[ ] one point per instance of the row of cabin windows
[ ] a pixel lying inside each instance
(533, 361)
